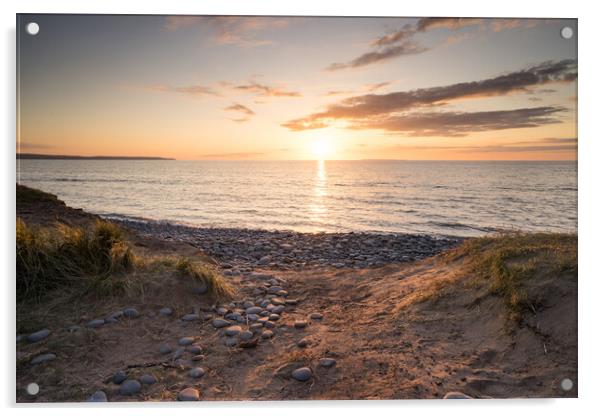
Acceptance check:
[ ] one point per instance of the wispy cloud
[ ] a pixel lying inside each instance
(359, 109)
(540, 145)
(192, 90)
(401, 42)
(244, 110)
(264, 90)
(377, 86)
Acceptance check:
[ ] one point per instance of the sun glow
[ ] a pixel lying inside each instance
(322, 148)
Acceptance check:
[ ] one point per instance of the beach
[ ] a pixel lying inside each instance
(309, 316)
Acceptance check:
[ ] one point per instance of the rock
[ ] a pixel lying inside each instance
(197, 372)
(456, 395)
(195, 349)
(95, 323)
(148, 379)
(186, 341)
(269, 324)
(274, 289)
(198, 357)
(301, 374)
(274, 317)
(264, 313)
(165, 349)
(233, 330)
(247, 304)
(119, 377)
(116, 315)
(98, 396)
(43, 358)
(190, 317)
(282, 294)
(165, 311)
(267, 334)
(39, 335)
(110, 320)
(220, 323)
(252, 317)
(200, 288)
(291, 301)
(178, 353)
(188, 395)
(278, 309)
(131, 313)
(256, 326)
(222, 311)
(74, 328)
(278, 301)
(233, 316)
(245, 335)
(180, 362)
(264, 303)
(252, 343)
(253, 310)
(130, 387)
(300, 324)
(302, 343)
(316, 316)
(230, 342)
(327, 362)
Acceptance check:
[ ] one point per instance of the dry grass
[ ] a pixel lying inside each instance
(507, 262)
(215, 283)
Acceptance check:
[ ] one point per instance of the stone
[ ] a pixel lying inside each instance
(274, 289)
(274, 317)
(198, 357)
(256, 326)
(186, 341)
(189, 394)
(230, 342)
(43, 358)
(222, 311)
(316, 316)
(130, 387)
(253, 310)
(302, 343)
(456, 395)
(165, 349)
(233, 330)
(247, 304)
(178, 353)
(131, 313)
(327, 362)
(291, 301)
(267, 334)
(197, 372)
(245, 335)
(301, 374)
(95, 323)
(278, 301)
(190, 317)
(300, 324)
(165, 311)
(148, 379)
(98, 396)
(220, 323)
(200, 288)
(119, 377)
(116, 315)
(252, 317)
(233, 316)
(264, 313)
(278, 309)
(110, 320)
(195, 349)
(39, 335)
(264, 303)
(269, 324)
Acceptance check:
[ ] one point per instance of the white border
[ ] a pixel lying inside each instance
(589, 191)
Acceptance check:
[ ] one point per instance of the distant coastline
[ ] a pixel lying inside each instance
(68, 157)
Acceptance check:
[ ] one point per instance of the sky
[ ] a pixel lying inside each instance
(288, 88)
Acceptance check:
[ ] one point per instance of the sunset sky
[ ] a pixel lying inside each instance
(297, 87)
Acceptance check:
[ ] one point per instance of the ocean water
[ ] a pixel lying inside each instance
(451, 198)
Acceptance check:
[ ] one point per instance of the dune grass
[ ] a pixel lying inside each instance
(53, 257)
(216, 285)
(507, 262)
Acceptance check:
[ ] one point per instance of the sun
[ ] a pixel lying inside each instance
(322, 147)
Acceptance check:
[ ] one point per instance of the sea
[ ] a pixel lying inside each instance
(457, 198)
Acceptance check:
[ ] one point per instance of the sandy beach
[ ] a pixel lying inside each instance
(421, 324)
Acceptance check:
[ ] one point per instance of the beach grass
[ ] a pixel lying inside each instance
(208, 276)
(511, 264)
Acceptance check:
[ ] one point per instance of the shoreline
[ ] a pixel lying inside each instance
(292, 250)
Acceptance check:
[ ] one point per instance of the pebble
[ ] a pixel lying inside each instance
(253, 317)
(74, 328)
(220, 323)
(148, 379)
(131, 313)
(253, 310)
(188, 395)
(197, 372)
(190, 317)
(256, 326)
(233, 330)
(186, 341)
(278, 301)
(198, 357)
(291, 301)
(178, 353)
(39, 335)
(130, 387)
(119, 377)
(200, 289)
(278, 309)
(274, 317)
(233, 316)
(245, 335)
(165, 349)
(98, 396)
(230, 342)
(195, 349)
(95, 323)
(269, 324)
(267, 334)
(302, 374)
(116, 315)
(302, 343)
(222, 311)
(456, 395)
(300, 324)
(264, 303)
(110, 320)
(247, 304)
(316, 316)
(327, 362)
(43, 358)
(165, 311)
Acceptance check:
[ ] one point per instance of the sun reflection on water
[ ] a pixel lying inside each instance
(317, 207)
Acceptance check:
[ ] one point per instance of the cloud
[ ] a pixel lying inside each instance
(192, 90)
(541, 145)
(377, 86)
(240, 108)
(265, 90)
(461, 123)
(374, 105)
(390, 52)
(175, 23)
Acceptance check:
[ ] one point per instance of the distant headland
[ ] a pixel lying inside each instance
(67, 157)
